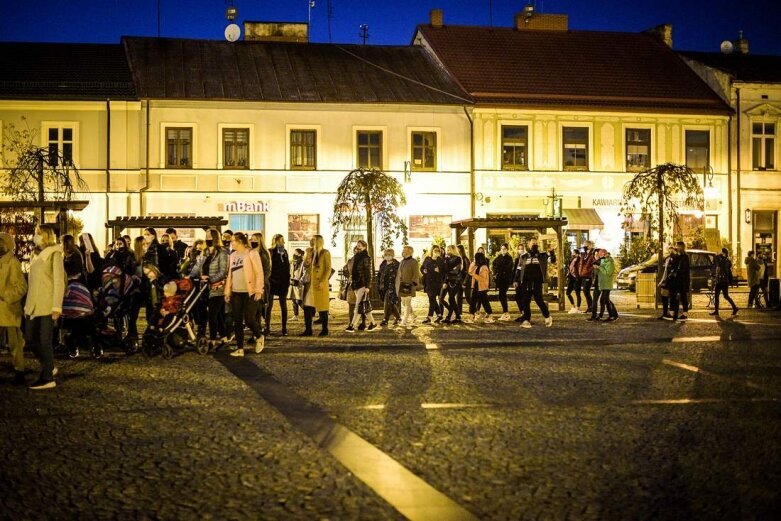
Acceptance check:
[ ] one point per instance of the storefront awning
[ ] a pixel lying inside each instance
(583, 219)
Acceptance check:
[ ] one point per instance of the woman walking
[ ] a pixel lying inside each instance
(723, 278)
(319, 275)
(503, 276)
(573, 281)
(433, 271)
(258, 243)
(465, 291)
(607, 279)
(213, 270)
(14, 289)
(454, 271)
(389, 268)
(305, 285)
(295, 268)
(361, 282)
(481, 276)
(279, 281)
(407, 281)
(244, 291)
(44, 302)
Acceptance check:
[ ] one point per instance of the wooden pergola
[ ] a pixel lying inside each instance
(538, 224)
(61, 207)
(121, 223)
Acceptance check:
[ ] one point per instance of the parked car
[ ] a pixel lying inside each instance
(700, 263)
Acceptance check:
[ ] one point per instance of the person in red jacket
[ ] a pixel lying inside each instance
(586, 272)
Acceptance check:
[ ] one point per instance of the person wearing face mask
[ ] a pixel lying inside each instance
(244, 290)
(14, 288)
(361, 281)
(454, 267)
(386, 278)
(607, 279)
(159, 255)
(503, 276)
(93, 262)
(257, 243)
(295, 292)
(347, 271)
(481, 277)
(518, 267)
(407, 282)
(212, 269)
(723, 277)
(573, 281)
(534, 274)
(586, 272)
(433, 271)
(465, 291)
(43, 307)
(121, 257)
(227, 240)
(664, 283)
(279, 281)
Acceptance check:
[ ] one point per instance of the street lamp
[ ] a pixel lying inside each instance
(707, 184)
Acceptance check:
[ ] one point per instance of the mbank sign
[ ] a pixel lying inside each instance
(250, 207)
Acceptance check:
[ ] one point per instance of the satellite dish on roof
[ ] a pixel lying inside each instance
(727, 47)
(232, 32)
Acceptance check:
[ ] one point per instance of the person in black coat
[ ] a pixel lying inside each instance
(93, 262)
(433, 271)
(452, 285)
(722, 274)
(122, 257)
(386, 281)
(503, 276)
(361, 283)
(178, 245)
(679, 281)
(279, 282)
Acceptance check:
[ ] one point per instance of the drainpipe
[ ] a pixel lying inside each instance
(730, 215)
(144, 188)
(739, 250)
(472, 202)
(108, 156)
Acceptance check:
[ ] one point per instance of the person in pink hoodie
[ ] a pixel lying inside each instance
(244, 291)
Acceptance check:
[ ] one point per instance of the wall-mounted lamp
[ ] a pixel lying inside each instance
(407, 172)
(747, 215)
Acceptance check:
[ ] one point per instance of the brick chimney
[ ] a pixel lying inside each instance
(276, 32)
(436, 17)
(528, 19)
(663, 33)
(741, 44)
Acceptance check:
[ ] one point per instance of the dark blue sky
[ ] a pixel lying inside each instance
(697, 24)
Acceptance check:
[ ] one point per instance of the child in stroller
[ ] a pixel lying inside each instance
(170, 327)
(114, 299)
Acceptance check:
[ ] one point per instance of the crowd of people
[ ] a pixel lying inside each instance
(240, 279)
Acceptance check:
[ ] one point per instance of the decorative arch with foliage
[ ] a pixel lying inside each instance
(375, 196)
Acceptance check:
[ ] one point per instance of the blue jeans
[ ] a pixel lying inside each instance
(38, 334)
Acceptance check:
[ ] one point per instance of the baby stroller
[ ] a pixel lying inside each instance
(78, 325)
(114, 300)
(170, 329)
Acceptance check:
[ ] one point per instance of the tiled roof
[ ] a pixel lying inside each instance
(755, 68)
(280, 71)
(64, 71)
(587, 69)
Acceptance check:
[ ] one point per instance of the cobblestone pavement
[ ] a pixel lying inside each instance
(636, 419)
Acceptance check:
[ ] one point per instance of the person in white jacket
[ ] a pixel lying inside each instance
(44, 302)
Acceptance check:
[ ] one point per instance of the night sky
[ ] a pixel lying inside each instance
(697, 24)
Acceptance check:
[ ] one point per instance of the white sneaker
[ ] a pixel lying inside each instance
(468, 319)
(238, 352)
(55, 371)
(294, 318)
(260, 343)
(488, 319)
(526, 324)
(573, 310)
(505, 317)
(549, 322)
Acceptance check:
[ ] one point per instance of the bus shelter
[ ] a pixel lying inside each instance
(538, 224)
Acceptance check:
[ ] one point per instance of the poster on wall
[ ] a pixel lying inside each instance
(428, 227)
(301, 228)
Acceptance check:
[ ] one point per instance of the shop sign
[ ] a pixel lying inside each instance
(606, 202)
(249, 207)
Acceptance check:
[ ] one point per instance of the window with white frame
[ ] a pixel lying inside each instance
(515, 147)
(424, 150)
(369, 151)
(179, 147)
(638, 149)
(698, 150)
(303, 149)
(235, 148)
(60, 142)
(763, 145)
(575, 144)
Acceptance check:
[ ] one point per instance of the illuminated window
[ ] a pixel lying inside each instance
(369, 149)
(302, 227)
(515, 149)
(763, 145)
(179, 147)
(638, 149)
(424, 150)
(575, 148)
(235, 148)
(698, 150)
(60, 143)
(303, 149)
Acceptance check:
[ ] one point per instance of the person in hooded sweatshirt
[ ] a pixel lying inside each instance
(14, 287)
(43, 308)
(535, 273)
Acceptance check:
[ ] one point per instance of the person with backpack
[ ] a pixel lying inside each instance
(503, 277)
(722, 275)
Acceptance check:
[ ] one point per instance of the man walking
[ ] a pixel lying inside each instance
(14, 288)
(503, 276)
(680, 282)
(535, 273)
(723, 277)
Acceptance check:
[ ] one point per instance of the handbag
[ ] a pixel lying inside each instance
(343, 292)
(664, 292)
(365, 306)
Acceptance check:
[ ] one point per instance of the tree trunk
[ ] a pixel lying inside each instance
(41, 195)
(660, 255)
(370, 233)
